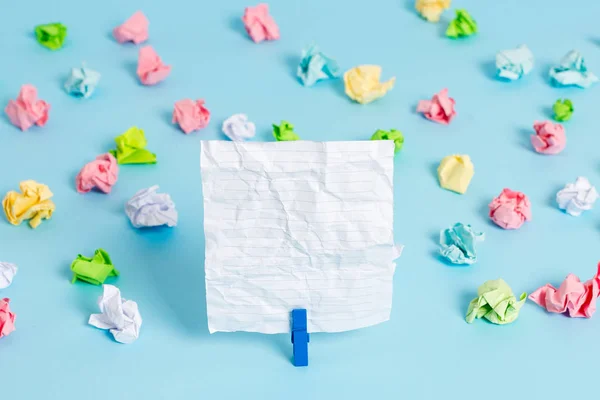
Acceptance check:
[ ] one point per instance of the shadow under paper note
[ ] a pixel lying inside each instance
(280, 344)
(175, 266)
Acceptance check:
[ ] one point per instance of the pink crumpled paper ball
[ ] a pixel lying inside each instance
(191, 115)
(7, 318)
(101, 173)
(439, 109)
(151, 69)
(135, 29)
(259, 24)
(573, 297)
(27, 109)
(510, 209)
(549, 138)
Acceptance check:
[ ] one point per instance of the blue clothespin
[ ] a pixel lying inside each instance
(300, 337)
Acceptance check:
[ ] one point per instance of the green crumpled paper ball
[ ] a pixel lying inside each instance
(392, 134)
(93, 269)
(495, 302)
(284, 132)
(462, 25)
(51, 35)
(563, 110)
(131, 148)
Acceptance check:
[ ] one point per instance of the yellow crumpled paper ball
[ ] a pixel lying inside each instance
(362, 83)
(432, 10)
(455, 172)
(32, 204)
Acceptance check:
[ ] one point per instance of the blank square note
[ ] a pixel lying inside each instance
(298, 225)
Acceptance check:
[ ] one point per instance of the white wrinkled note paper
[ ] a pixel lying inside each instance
(298, 225)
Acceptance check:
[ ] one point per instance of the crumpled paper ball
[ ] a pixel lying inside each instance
(93, 269)
(573, 297)
(284, 132)
(577, 197)
(82, 82)
(147, 208)
(455, 172)
(495, 302)
(549, 138)
(7, 274)
(238, 128)
(135, 29)
(131, 148)
(120, 316)
(7, 318)
(316, 66)
(51, 36)
(514, 63)
(392, 134)
(27, 109)
(431, 10)
(572, 71)
(362, 83)
(191, 115)
(463, 25)
(563, 110)
(439, 109)
(151, 69)
(457, 243)
(32, 204)
(102, 173)
(259, 24)
(510, 209)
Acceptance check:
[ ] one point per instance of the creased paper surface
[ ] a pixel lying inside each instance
(298, 225)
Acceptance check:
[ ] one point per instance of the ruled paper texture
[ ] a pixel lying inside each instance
(298, 225)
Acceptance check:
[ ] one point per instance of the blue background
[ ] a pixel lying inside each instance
(426, 350)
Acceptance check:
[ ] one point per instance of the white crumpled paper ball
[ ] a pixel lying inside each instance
(577, 197)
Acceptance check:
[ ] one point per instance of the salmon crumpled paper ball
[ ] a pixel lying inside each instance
(102, 173)
(27, 109)
(151, 69)
(549, 138)
(135, 29)
(439, 109)
(32, 204)
(573, 297)
(191, 115)
(259, 24)
(510, 209)
(7, 318)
